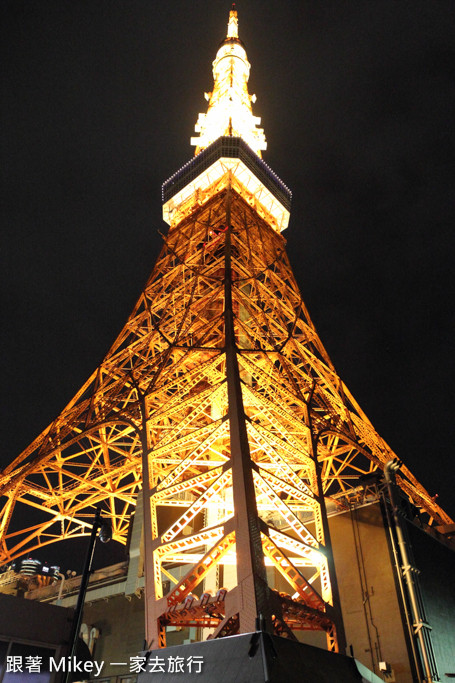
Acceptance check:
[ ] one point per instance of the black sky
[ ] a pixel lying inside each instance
(357, 100)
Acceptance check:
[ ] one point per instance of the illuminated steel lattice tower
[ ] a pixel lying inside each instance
(219, 400)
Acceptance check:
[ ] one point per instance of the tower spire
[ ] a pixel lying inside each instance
(233, 23)
(229, 112)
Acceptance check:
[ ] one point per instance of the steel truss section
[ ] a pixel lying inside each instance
(220, 321)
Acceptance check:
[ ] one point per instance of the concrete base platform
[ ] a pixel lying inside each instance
(252, 658)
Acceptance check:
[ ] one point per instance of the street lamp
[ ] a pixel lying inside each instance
(105, 535)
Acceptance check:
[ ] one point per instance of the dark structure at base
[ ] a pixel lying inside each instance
(255, 658)
(36, 630)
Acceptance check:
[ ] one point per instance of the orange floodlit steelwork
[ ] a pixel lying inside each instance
(219, 401)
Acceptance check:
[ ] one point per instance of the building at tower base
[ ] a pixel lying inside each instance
(371, 601)
(256, 658)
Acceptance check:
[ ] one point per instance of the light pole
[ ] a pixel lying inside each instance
(105, 536)
(407, 574)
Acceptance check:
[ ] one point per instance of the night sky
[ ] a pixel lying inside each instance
(357, 100)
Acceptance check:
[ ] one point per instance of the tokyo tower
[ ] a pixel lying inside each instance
(219, 402)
